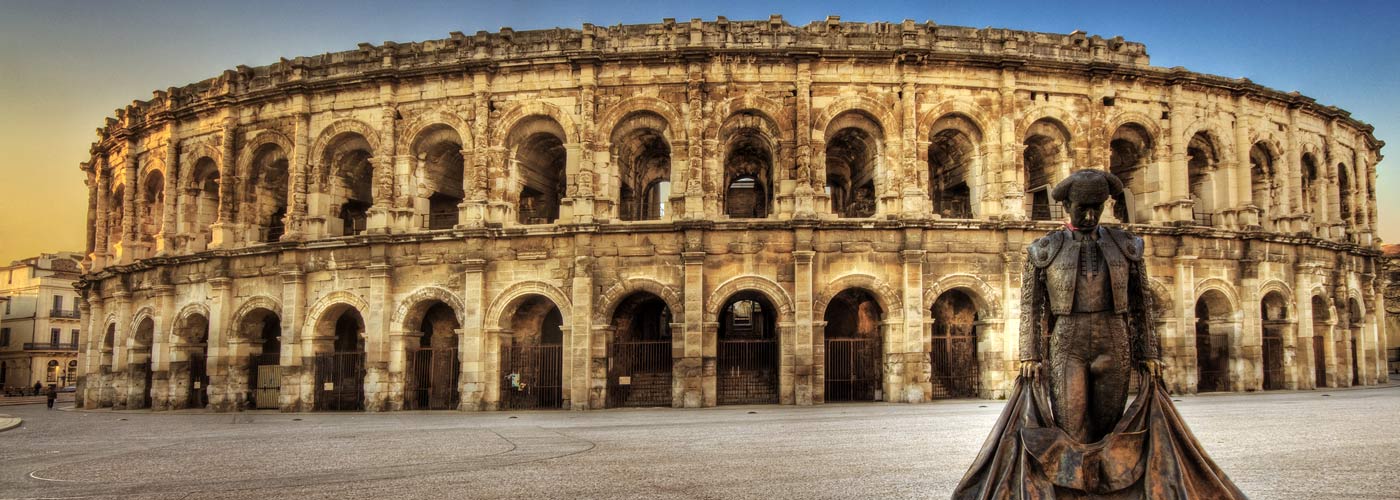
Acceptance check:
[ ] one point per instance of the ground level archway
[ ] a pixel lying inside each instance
(854, 347)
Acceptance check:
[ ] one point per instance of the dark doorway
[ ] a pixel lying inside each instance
(747, 351)
(340, 374)
(1274, 312)
(265, 370)
(1212, 342)
(433, 365)
(639, 364)
(532, 364)
(853, 347)
(953, 353)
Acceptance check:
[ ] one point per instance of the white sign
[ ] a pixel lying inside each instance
(328, 386)
(624, 381)
(198, 385)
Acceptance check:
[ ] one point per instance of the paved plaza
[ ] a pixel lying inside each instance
(1301, 445)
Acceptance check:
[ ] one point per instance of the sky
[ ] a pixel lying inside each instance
(66, 65)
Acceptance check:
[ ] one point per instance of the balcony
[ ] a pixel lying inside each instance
(61, 313)
(50, 346)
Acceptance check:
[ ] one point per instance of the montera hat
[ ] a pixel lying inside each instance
(1087, 186)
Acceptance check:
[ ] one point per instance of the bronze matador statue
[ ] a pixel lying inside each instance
(1085, 304)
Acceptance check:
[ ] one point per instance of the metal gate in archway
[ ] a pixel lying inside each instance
(747, 371)
(433, 374)
(265, 379)
(953, 359)
(639, 373)
(340, 380)
(532, 377)
(1273, 359)
(199, 381)
(853, 369)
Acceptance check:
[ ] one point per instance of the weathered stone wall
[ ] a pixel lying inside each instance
(307, 189)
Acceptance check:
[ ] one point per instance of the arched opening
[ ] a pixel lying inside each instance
(747, 351)
(854, 347)
(152, 206)
(1309, 183)
(203, 209)
(116, 214)
(1213, 332)
(340, 360)
(1343, 193)
(433, 367)
(852, 161)
(266, 197)
(953, 350)
(952, 152)
(532, 357)
(1273, 313)
(538, 166)
(1043, 158)
(639, 361)
(347, 182)
(440, 167)
(139, 371)
(1130, 150)
(748, 168)
(69, 379)
(1263, 184)
(51, 372)
(1354, 322)
(643, 158)
(193, 335)
(1202, 160)
(1322, 327)
(263, 329)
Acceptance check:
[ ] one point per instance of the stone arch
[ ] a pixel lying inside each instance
(250, 305)
(1222, 286)
(1141, 120)
(344, 126)
(767, 287)
(518, 114)
(1055, 114)
(607, 302)
(411, 309)
(971, 112)
(1224, 149)
(430, 118)
(985, 297)
(768, 109)
(251, 146)
(885, 295)
(1278, 286)
(498, 315)
(878, 112)
(196, 149)
(143, 314)
(340, 298)
(623, 109)
(184, 315)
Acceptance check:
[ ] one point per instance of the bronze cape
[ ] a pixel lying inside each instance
(1150, 454)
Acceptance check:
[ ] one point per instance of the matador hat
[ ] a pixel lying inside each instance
(1087, 186)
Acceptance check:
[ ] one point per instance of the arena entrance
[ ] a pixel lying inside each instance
(264, 363)
(1274, 316)
(953, 351)
(1322, 319)
(747, 351)
(532, 357)
(340, 374)
(433, 366)
(639, 360)
(139, 372)
(853, 347)
(1212, 342)
(193, 333)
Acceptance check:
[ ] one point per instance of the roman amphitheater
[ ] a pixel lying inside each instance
(702, 213)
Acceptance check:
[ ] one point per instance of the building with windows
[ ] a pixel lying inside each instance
(41, 326)
(699, 213)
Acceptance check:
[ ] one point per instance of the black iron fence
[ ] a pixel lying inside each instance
(853, 369)
(432, 379)
(340, 380)
(953, 360)
(639, 373)
(747, 371)
(50, 346)
(532, 377)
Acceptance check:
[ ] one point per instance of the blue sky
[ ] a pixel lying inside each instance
(64, 66)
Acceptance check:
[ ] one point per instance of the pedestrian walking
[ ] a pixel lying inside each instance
(38, 386)
(52, 394)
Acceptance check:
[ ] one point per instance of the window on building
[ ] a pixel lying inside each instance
(7, 306)
(72, 373)
(73, 337)
(53, 371)
(4, 336)
(58, 302)
(55, 335)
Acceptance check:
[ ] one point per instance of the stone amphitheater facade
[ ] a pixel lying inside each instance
(698, 213)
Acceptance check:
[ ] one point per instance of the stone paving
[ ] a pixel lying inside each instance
(1288, 445)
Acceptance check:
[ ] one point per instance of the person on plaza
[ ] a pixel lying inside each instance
(52, 394)
(38, 386)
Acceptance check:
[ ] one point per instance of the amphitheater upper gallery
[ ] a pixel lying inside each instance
(702, 213)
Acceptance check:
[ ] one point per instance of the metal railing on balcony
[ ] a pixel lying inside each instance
(64, 313)
(50, 346)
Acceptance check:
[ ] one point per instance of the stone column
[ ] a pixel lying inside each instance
(693, 372)
(809, 197)
(476, 379)
(694, 113)
(1176, 179)
(377, 376)
(165, 241)
(293, 317)
(808, 386)
(161, 398)
(104, 192)
(224, 393)
(1244, 181)
(225, 227)
(1290, 170)
(580, 366)
(130, 236)
(906, 362)
(90, 364)
(1012, 172)
(295, 221)
(121, 351)
(476, 180)
(382, 211)
(915, 202)
(582, 189)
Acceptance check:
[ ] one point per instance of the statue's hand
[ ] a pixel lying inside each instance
(1153, 368)
(1030, 369)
